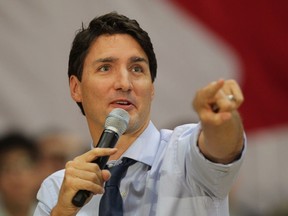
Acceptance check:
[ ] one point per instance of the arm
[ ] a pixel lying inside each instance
(81, 174)
(221, 138)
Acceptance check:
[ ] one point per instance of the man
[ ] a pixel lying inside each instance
(19, 158)
(56, 148)
(188, 171)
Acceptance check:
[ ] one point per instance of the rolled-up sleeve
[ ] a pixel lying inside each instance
(215, 178)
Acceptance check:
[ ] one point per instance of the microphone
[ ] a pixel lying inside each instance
(115, 125)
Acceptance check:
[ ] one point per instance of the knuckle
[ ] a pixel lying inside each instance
(203, 117)
(231, 81)
(78, 158)
(94, 188)
(69, 170)
(94, 177)
(69, 164)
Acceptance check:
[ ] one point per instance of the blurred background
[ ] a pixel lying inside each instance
(195, 41)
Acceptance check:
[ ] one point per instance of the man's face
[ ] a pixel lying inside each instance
(115, 75)
(18, 177)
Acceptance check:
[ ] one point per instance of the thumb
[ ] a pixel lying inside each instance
(106, 175)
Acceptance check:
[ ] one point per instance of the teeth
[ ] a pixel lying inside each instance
(122, 102)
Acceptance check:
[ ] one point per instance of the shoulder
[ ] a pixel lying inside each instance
(54, 181)
(56, 176)
(48, 193)
(180, 132)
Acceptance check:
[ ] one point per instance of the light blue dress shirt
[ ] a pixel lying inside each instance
(171, 178)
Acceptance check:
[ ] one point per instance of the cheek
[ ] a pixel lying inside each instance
(146, 89)
(94, 97)
(92, 90)
(150, 93)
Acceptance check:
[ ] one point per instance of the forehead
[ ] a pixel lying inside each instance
(15, 156)
(116, 45)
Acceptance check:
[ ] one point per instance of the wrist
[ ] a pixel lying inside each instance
(57, 211)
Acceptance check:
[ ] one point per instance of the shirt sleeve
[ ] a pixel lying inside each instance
(47, 195)
(215, 178)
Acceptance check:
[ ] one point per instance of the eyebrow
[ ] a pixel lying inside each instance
(132, 59)
(107, 59)
(138, 59)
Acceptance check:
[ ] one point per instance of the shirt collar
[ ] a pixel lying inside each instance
(145, 147)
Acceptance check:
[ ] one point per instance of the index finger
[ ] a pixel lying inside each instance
(213, 88)
(96, 153)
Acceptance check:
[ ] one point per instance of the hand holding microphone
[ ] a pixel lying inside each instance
(115, 125)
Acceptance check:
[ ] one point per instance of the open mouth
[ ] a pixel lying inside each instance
(122, 103)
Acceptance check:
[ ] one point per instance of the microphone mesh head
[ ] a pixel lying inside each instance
(117, 121)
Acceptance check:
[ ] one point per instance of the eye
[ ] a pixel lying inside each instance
(104, 68)
(137, 69)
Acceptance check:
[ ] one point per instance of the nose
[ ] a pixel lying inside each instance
(123, 80)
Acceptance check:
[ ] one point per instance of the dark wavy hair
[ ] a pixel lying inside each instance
(111, 23)
(18, 141)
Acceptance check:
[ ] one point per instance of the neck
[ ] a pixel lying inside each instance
(124, 142)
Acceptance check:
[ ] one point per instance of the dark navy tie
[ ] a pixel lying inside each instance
(111, 203)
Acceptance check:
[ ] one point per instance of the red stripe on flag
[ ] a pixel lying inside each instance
(258, 32)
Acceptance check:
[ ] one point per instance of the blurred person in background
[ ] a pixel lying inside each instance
(19, 157)
(56, 148)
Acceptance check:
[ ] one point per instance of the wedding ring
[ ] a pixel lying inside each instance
(231, 97)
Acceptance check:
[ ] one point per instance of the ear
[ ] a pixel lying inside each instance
(152, 92)
(75, 88)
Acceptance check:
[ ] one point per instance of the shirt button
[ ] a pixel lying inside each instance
(123, 193)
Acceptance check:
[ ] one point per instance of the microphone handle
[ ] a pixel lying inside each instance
(108, 139)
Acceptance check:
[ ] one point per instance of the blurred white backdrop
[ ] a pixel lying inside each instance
(36, 37)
